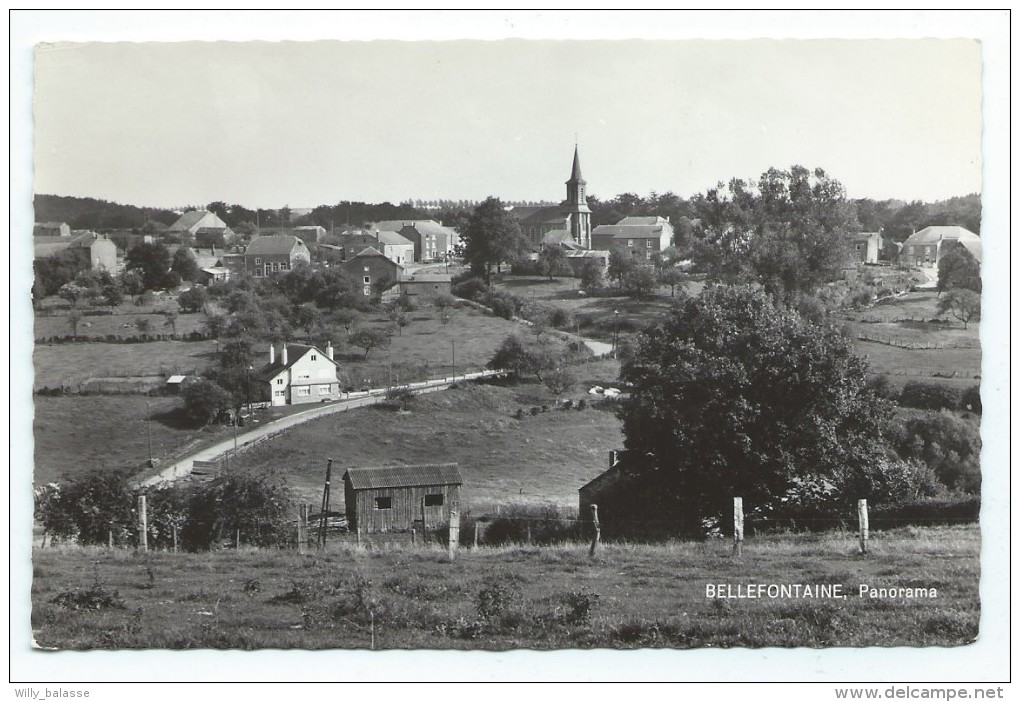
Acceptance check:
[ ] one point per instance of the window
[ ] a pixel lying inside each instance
(368, 279)
(314, 357)
(278, 393)
(324, 389)
(303, 392)
(630, 242)
(279, 381)
(433, 500)
(384, 503)
(366, 269)
(367, 291)
(648, 243)
(258, 261)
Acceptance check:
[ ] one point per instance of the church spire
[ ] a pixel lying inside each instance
(575, 172)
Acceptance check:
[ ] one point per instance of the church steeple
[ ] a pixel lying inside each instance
(577, 204)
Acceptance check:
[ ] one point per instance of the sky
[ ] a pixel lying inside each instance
(305, 123)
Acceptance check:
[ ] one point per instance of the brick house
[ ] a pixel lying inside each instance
(267, 255)
(865, 247)
(431, 240)
(372, 273)
(926, 247)
(97, 249)
(299, 374)
(392, 245)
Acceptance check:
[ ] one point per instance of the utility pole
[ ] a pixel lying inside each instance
(325, 504)
(453, 358)
(616, 330)
(148, 429)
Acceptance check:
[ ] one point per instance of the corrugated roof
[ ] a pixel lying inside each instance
(930, 235)
(404, 476)
(425, 226)
(632, 221)
(190, 219)
(273, 245)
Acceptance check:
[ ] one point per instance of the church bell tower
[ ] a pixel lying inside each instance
(577, 206)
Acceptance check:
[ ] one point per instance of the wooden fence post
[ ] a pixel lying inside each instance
(454, 531)
(738, 524)
(424, 524)
(302, 528)
(109, 537)
(862, 519)
(237, 540)
(476, 534)
(143, 524)
(597, 535)
(357, 531)
(175, 538)
(413, 537)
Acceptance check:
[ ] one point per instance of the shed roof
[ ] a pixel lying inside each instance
(404, 476)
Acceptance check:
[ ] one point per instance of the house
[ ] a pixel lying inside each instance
(310, 234)
(432, 241)
(51, 229)
(266, 255)
(392, 245)
(577, 260)
(572, 215)
(926, 247)
(298, 375)
(213, 274)
(372, 272)
(96, 249)
(642, 237)
(425, 285)
(396, 498)
(865, 247)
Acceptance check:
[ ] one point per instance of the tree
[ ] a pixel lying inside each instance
(959, 269)
(369, 339)
(132, 283)
(517, 358)
(254, 506)
(592, 276)
(963, 304)
(204, 399)
(639, 282)
(73, 320)
(552, 261)
(72, 292)
(620, 264)
(171, 321)
(185, 264)
(787, 231)
(89, 506)
(305, 317)
(214, 325)
(733, 395)
(492, 237)
(674, 277)
(113, 293)
(192, 300)
(143, 324)
(558, 380)
(152, 261)
(344, 317)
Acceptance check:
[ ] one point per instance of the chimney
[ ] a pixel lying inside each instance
(283, 354)
(272, 354)
(329, 350)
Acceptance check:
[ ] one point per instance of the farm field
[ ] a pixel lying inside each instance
(542, 458)
(120, 324)
(628, 596)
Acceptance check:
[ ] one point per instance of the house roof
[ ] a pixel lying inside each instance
(648, 221)
(424, 226)
(557, 236)
(973, 246)
(46, 246)
(931, 235)
(371, 251)
(190, 219)
(392, 238)
(863, 236)
(404, 476)
(628, 231)
(274, 245)
(294, 353)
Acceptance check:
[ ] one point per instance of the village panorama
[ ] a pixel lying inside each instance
(580, 423)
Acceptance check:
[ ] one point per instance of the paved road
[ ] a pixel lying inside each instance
(186, 465)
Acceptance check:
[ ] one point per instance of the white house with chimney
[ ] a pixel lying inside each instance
(298, 374)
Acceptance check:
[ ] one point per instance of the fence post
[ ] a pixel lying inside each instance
(302, 528)
(454, 531)
(143, 524)
(358, 533)
(476, 534)
(175, 538)
(237, 540)
(597, 535)
(738, 524)
(862, 519)
(109, 538)
(413, 530)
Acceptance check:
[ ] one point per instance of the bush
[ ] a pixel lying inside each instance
(970, 400)
(501, 599)
(470, 288)
(949, 445)
(256, 505)
(929, 396)
(927, 512)
(88, 507)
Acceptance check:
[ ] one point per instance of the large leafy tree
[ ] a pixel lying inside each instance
(492, 237)
(152, 261)
(734, 395)
(788, 231)
(959, 269)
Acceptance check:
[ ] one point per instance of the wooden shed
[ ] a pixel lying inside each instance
(396, 498)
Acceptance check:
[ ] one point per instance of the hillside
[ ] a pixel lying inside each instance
(90, 213)
(542, 458)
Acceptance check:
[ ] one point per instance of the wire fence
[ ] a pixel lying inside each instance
(889, 340)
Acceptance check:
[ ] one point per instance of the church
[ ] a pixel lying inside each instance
(568, 223)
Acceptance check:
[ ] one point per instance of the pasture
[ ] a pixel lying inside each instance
(549, 597)
(540, 458)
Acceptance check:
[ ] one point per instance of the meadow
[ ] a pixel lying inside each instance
(397, 597)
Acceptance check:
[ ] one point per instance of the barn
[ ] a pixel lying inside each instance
(397, 498)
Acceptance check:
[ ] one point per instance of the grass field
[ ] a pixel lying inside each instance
(629, 596)
(70, 364)
(543, 458)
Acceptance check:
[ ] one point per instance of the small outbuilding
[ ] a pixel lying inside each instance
(396, 498)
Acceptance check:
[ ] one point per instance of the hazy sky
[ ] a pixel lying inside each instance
(307, 123)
